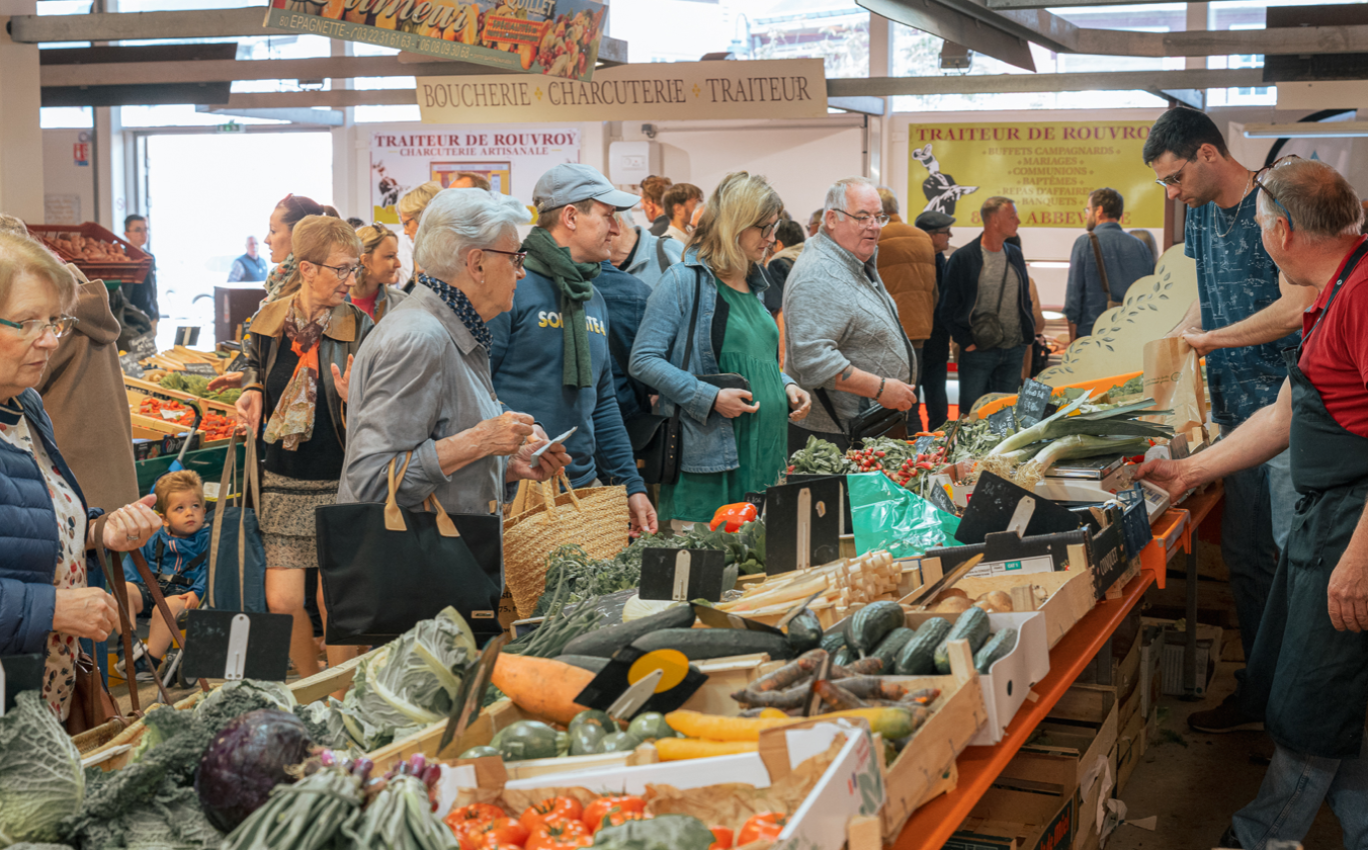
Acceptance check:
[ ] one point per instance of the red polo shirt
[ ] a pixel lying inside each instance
(1335, 359)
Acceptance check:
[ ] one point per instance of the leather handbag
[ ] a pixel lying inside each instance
(1102, 270)
(874, 421)
(657, 441)
(987, 326)
(385, 567)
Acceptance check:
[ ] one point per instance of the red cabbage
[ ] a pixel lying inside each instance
(245, 761)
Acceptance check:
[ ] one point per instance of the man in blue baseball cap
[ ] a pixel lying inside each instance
(551, 354)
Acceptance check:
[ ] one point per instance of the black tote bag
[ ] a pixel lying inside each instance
(385, 567)
(237, 558)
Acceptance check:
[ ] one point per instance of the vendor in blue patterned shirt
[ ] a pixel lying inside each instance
(1244, 316)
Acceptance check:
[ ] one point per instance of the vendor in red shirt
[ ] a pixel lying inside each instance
(1308, 676)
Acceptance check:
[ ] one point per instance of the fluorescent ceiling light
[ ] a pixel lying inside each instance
(1325, 130)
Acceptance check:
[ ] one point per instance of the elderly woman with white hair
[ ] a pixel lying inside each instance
(422, 383)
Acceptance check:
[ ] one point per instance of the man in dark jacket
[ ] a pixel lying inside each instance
(1125, 260)
(985, 281)
(142, 295)
(936, 352)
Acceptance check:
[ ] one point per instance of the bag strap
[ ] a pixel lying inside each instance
(638, 389)
(394, 515)
(251, 484)
(661, 257)
(689, 337)
(114, 577)
(160, 601)
(216, 534)
(1101, 266)
(825, 399)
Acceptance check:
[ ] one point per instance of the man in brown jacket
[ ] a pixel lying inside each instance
(907, 264)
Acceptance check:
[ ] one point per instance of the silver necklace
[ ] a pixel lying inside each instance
(1238, 209)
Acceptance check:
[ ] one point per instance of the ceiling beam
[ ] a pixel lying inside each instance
(336, 99)
(206, 23)
(1280, 40)
(951, 25)
(1153, 81)
(1308, 130)
(209, 71)
(295, 115)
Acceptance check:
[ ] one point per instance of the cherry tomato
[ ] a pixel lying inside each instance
(497, 831)
(475, 814)
(597, 810)
(551, 810)
(765, 826)
(561, 835)
(722, 838)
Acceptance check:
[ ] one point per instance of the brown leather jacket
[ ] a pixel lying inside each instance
(907, 264)
(346, 331)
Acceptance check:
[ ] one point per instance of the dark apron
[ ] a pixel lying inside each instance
(1306, 679)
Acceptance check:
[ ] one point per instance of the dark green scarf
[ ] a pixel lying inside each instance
(547, 258)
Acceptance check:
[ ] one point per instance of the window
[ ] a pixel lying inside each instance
(66, 117)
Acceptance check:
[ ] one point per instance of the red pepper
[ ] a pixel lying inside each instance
(765, 826)
(734, 516)
(722, 838)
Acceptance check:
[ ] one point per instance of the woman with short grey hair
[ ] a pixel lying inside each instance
(422, 384)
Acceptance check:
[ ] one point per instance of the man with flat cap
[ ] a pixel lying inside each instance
(550, 355)
(936, 351)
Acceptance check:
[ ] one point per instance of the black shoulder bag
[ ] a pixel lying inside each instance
(987, 327)
(875, 420)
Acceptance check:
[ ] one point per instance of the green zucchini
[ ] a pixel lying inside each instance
(972, 626)
(618, 742)
(702, 644)
(888, 648)
(833, 642)
(872, 623)
(804, 632)
(917, 657)
(604, 642)
(998, 647)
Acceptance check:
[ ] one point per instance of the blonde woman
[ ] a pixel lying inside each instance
(734, 438)
(299, 358)
(373, 289)
(410, 209)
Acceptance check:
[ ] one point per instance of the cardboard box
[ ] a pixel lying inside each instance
(1171, 659)
(1130, 743)
(1010, 679)
(1083, 725)
(850, 787)
(1032, 805)
(1070, 596)
(1126, 673)
(1151, 648)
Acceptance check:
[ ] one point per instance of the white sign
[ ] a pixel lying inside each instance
(510, 158)
(660, 91)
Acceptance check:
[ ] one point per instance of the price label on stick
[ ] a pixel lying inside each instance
(234, 645)
(1000, 423)
(19, 673)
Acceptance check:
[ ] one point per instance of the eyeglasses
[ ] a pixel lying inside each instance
(33, 328)
(1274, 198)
(342, 272)
(518, 256)
(766, 230)
(863, 219)
(1174, 179)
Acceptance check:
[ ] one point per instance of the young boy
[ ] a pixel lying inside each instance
(178, 557)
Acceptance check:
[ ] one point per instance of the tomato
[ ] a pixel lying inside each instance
(473, 815)
(722, 838)
(498, 831)
(551, 810)
(596, 811)
(765, 826)
(560, 835)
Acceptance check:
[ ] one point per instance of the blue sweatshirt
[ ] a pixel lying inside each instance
(625, 295)
(527, 361)
(177, 554)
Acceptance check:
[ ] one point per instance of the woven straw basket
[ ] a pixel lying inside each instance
(594, 517)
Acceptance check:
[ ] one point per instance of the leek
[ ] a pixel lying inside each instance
(1038, 431)
(1075, 446)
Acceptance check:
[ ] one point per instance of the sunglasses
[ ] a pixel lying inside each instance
(1259, 186)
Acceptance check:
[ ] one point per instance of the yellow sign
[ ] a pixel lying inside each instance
(777, 88)
(1048, 169)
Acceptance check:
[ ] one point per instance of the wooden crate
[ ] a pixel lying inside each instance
(138, 389)
(1070, 596)
(133, 271)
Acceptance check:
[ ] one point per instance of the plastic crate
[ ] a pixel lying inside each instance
(134, 271)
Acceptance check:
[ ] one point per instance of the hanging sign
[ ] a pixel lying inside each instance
(1048, 169)
(658, 91)
(557, 38)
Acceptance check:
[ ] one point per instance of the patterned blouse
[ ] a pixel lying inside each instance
(60, 675)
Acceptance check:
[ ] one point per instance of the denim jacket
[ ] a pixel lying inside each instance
(709, 442)
(646, 265)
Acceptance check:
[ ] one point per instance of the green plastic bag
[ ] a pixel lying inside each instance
(887, 516)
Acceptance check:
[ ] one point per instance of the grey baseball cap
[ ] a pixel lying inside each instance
(571, 183)
(933, 220)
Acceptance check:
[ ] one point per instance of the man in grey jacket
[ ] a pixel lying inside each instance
(843, 337)
(642, 254)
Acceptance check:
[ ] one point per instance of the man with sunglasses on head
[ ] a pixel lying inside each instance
(1308, 674)
(844, 339)
(1243, 318)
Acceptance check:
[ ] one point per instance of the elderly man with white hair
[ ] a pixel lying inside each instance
(423, 385)
(845, 341)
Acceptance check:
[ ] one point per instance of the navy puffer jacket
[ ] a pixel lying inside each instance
(29, 546)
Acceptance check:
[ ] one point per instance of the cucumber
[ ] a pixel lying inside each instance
(584, 662)
(804, 632)
(702, 644)
(917, 657)
(996, 648)
(872, 623)
(972, 626)
(887, 650)
(833, 642)
(602, 643)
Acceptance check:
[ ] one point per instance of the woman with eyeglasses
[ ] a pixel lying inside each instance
(47, 605)
(299, 358)
(373, 290)
(725, 374)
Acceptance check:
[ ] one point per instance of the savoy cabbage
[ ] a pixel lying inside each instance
(41, 781)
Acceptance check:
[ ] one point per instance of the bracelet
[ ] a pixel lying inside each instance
(882, 382)
(258, 387)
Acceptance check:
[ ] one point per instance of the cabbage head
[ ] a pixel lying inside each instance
(273, 692)
(41, 781)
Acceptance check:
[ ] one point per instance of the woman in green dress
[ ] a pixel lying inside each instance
(706, 324)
